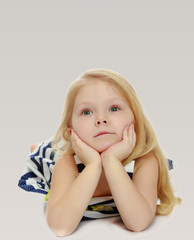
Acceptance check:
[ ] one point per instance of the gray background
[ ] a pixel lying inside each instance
(45, 45)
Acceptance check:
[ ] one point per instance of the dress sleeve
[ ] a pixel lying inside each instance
(170, 164)
(39, 168)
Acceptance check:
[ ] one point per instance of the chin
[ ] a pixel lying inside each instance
(103, 148)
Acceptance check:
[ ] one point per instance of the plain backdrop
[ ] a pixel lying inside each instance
(45, 45)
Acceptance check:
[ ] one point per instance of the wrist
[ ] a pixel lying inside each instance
(108, 158)
(97, 163)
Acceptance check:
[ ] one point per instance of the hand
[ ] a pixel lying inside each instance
(84, 152)
(124, 148)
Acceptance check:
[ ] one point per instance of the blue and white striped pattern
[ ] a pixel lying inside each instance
(40, 165)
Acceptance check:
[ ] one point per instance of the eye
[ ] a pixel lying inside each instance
(86, 112)
(114, 108)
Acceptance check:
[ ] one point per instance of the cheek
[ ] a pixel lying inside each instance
(81, 128)
(124, 121)
(130, 117)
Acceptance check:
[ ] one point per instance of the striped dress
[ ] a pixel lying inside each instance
(38, 173)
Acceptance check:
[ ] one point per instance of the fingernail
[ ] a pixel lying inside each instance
(127, 130)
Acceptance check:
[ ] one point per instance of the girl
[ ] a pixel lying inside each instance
(109, 161)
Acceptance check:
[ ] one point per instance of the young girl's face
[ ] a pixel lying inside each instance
(100, 115)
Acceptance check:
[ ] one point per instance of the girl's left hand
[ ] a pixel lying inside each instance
(122, 149)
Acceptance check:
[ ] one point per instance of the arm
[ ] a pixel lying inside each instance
(71, 193)
(135, 199)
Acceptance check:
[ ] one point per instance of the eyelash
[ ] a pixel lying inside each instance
(115, 106)
(87, 110)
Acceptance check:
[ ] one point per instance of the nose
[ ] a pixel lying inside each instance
(102, 121)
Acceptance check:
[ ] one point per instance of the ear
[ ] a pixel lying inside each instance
(69, 130)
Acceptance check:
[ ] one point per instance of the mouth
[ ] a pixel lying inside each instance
(102, 133)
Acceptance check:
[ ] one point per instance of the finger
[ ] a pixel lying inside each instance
(76, 142)
(72, 138)
(75, 136)
(134, 138)
(72, 135)
(125, 132)
(130, 133)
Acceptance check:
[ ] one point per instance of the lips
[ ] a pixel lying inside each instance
(102, 133)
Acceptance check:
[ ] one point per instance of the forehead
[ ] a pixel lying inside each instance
(97, 90)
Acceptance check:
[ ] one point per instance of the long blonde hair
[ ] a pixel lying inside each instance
(146, 138)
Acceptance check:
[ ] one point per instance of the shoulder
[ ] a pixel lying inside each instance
(66, 163)
(148, 161)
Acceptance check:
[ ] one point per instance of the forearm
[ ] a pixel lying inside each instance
(132, 205)
(66, 214)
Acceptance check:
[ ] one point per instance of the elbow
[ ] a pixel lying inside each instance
(139, 226)
(136, 228)
(59, 229)
(140, 221)
(61, 232)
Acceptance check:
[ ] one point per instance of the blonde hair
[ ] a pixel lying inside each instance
(146, 138)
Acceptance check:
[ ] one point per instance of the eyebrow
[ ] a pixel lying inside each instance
(109, 100)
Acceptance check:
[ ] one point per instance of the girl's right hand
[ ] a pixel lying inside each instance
(84, 152)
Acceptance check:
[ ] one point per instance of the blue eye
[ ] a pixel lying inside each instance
(86, 112)
(114, 109)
